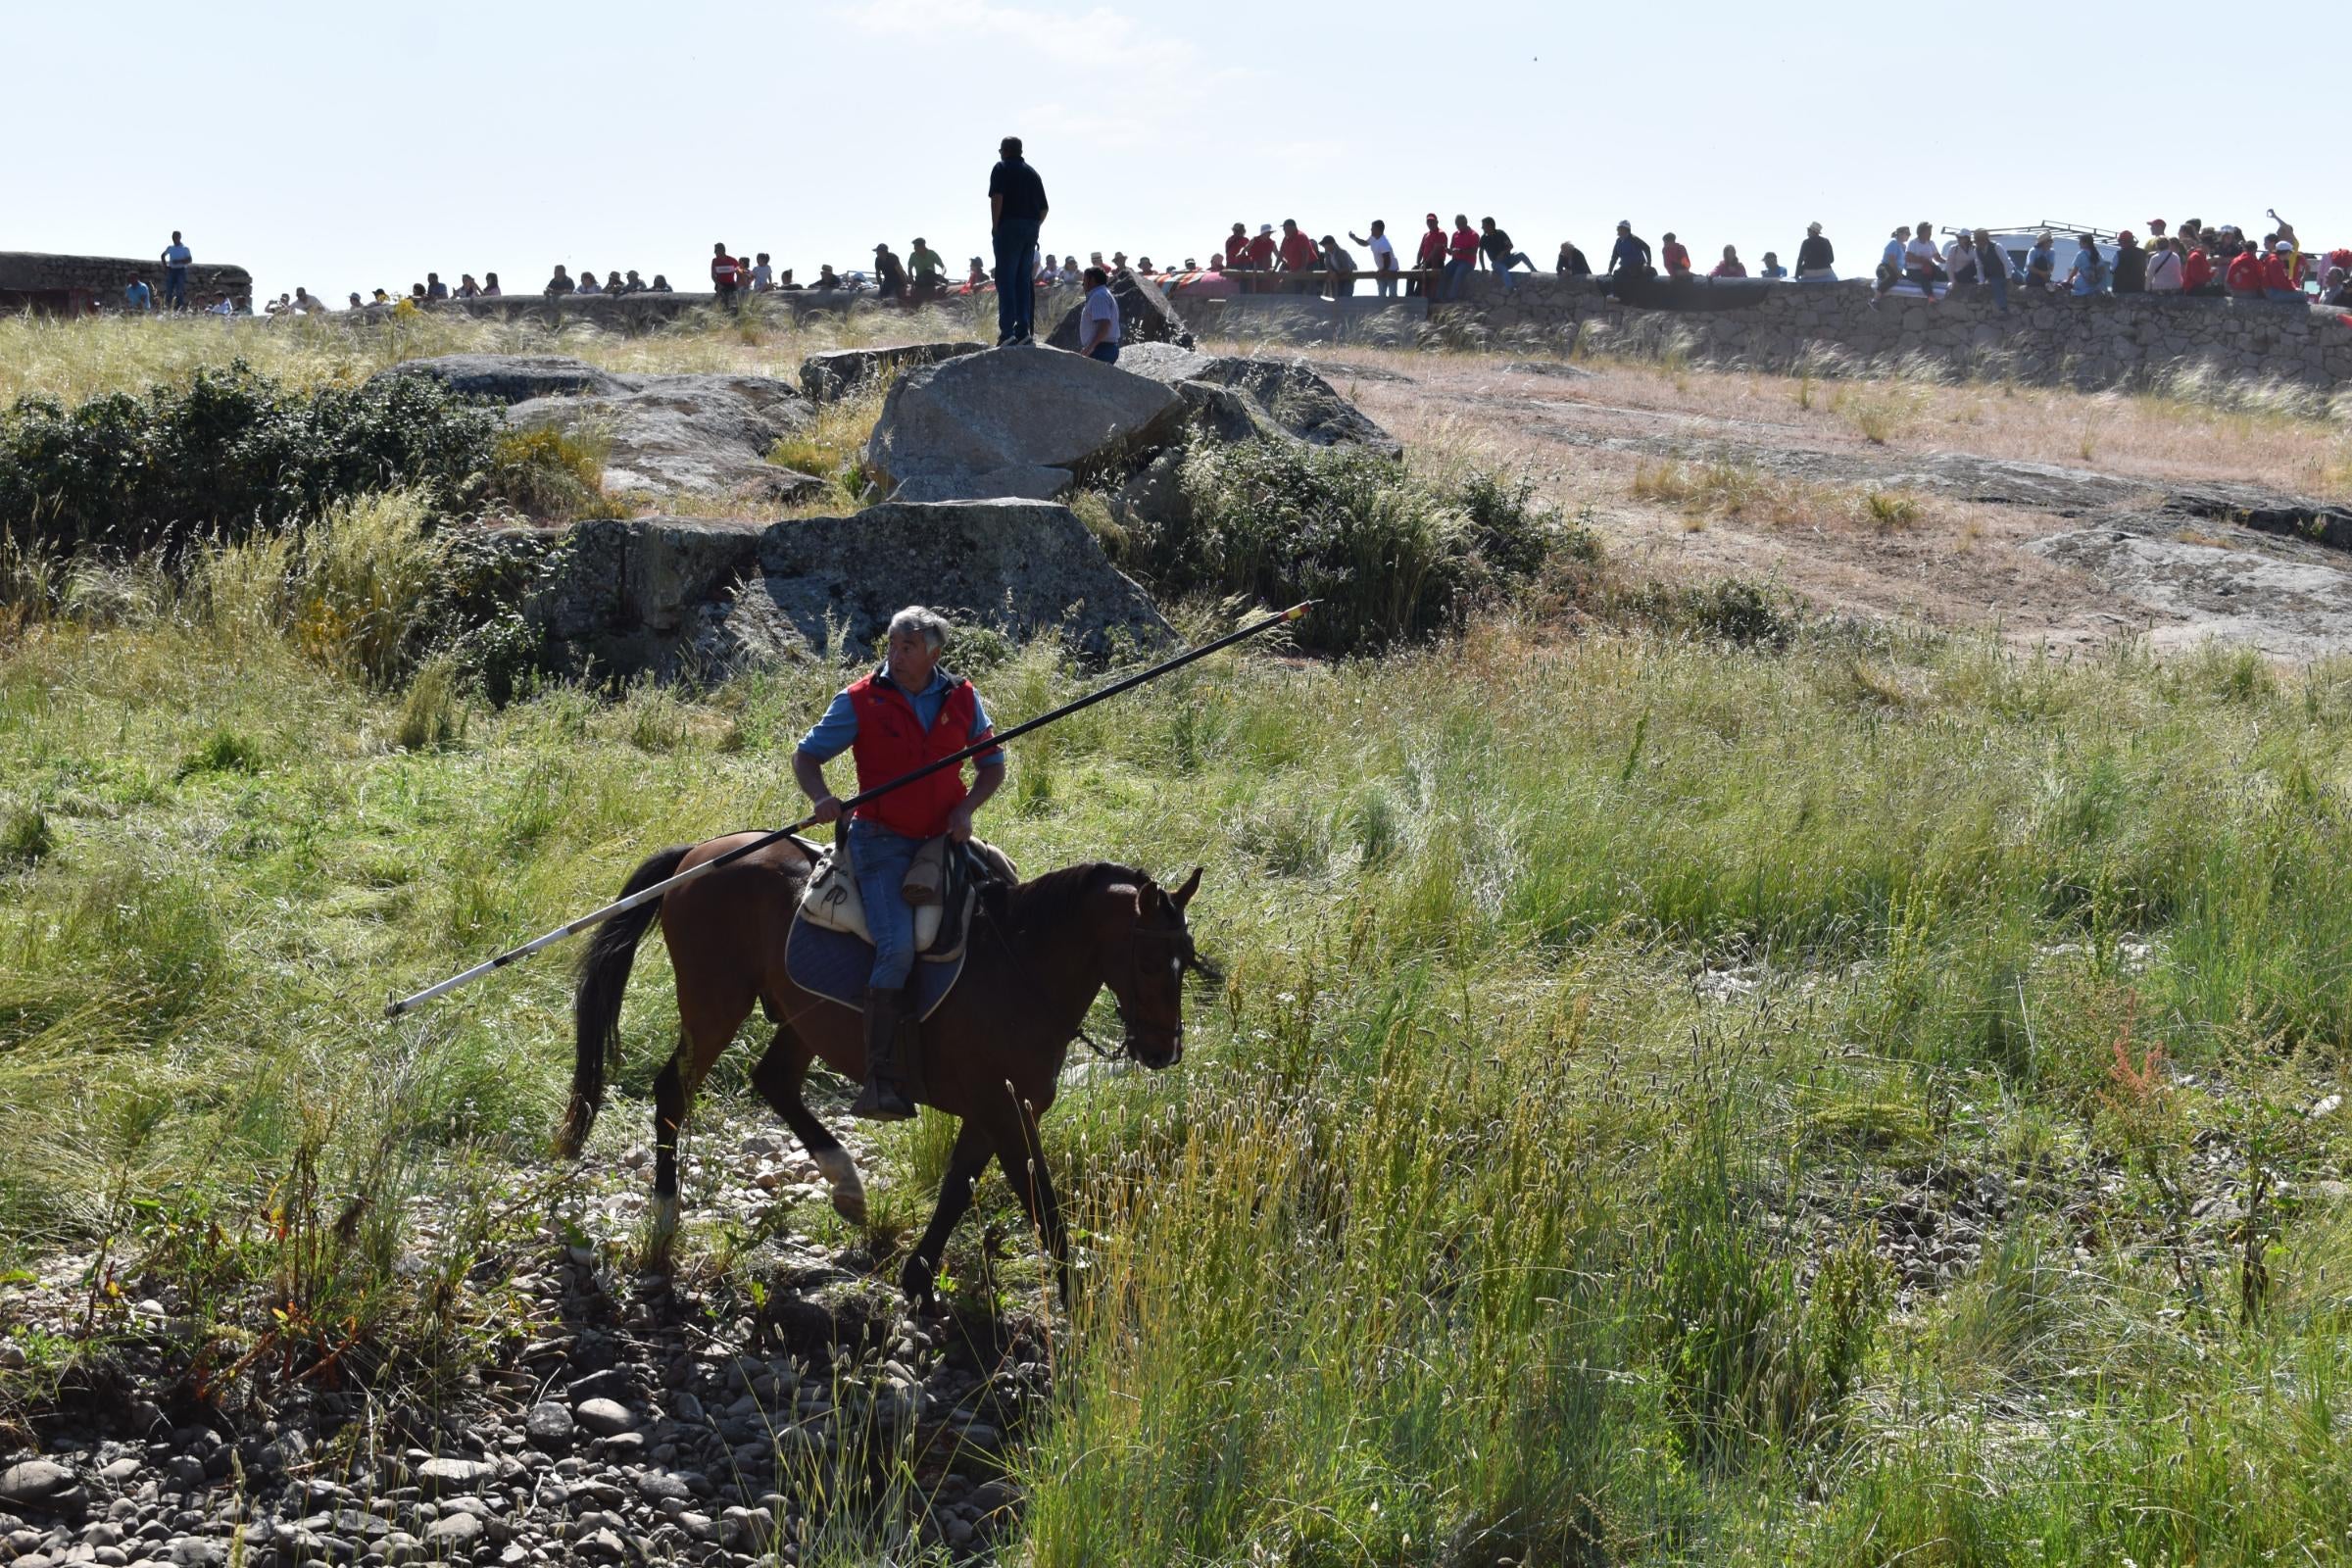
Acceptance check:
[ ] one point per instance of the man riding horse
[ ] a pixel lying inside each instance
(893, 721)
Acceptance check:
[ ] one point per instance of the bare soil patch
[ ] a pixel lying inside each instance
(2057, 520)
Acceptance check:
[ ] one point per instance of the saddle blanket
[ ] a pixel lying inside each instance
(835, 965)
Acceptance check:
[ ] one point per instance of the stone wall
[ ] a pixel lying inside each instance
(2098, 341)
(67, 284)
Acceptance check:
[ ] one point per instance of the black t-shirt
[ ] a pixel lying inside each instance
(1496, 244)
(1574, 264)
(1815, 254)
(1023, 192)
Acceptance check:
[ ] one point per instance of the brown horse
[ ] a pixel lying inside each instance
(991, 1053)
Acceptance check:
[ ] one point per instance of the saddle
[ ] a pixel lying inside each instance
(943, 885)
(829, 952)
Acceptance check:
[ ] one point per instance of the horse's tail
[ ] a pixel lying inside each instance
(596, 1005)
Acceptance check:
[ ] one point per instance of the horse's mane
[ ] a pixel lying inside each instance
(1059, 894)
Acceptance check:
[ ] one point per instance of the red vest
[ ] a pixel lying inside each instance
(891, 742)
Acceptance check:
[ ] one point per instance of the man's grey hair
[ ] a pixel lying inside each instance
(932, 625)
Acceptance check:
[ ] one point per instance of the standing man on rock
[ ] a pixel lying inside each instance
(1016, 211)
(893, 721)
(175, 260)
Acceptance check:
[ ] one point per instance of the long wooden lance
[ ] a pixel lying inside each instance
(400, 1005)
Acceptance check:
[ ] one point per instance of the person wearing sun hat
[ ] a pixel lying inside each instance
(2131, 266)
(1816, 259)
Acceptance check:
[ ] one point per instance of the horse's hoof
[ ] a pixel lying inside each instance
(840, 1173)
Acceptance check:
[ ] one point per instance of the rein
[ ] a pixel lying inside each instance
(1102, 1052)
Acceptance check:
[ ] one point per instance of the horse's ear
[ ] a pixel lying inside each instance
(1191, 885)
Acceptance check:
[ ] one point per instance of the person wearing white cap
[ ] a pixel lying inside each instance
(2279, 275)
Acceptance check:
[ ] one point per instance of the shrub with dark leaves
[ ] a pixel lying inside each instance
(230, 451)
(1390, 556)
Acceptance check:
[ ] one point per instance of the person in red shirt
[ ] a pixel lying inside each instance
(2279, 280)
(725, 273)
(1431, 254)
(2244, 276)
(1676, 256)
(1461, 255)
(2196, 274)
(1299, 255)
(1236, 247)
(1262, 249)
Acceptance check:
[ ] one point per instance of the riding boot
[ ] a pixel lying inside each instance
(882, 1099)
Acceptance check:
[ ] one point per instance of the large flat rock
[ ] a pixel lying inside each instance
(963, 429)
(513, 377)
(826, 377)
(704, 436)
(687, 596)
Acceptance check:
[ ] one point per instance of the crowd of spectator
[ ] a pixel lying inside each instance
(2195, 259)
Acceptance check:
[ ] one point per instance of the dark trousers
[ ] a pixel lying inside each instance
(1017, 278)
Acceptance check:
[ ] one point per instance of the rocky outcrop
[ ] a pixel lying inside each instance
(514, 377)
(706, 599)
(826, 377)
(1024, 422)
(1232, 397)
(1144, 317)
(706, 436)
(693, 435)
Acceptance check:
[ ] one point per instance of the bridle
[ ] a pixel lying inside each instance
(1188, 961)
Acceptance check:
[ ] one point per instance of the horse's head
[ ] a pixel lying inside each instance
(1149, 962)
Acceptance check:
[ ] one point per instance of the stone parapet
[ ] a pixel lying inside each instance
(69, 284)
(2102, 340)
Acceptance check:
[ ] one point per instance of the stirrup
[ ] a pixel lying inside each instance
(881, 1101)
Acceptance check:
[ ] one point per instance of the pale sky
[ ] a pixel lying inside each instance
(346, 149)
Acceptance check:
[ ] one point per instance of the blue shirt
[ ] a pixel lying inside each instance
(176, 256)
(2087, 271)
(139, 296)
(837, 731)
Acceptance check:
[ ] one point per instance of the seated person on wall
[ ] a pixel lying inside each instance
(1816, 258)
(893, 721)
(1772, 267)
(2041, 263)
(1673, 256)
(1731, 265)
(2131, 266)
(1571, 263)
(560, 284)
(2338, 287)
(2244, 276)
(2279, 283)
(2088, 274)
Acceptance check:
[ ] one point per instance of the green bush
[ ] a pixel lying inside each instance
(1389, 557)
(230, 451)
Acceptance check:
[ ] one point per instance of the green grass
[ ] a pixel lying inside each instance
(1592, 999)
(1471, 1229)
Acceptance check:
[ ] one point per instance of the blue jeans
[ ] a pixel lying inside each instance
(1515, 258)
(881, 858)
(1386, 282)
(1017, 278)
(1455, 271)
(1107, 353)
(175, 287)
(2286, 296)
